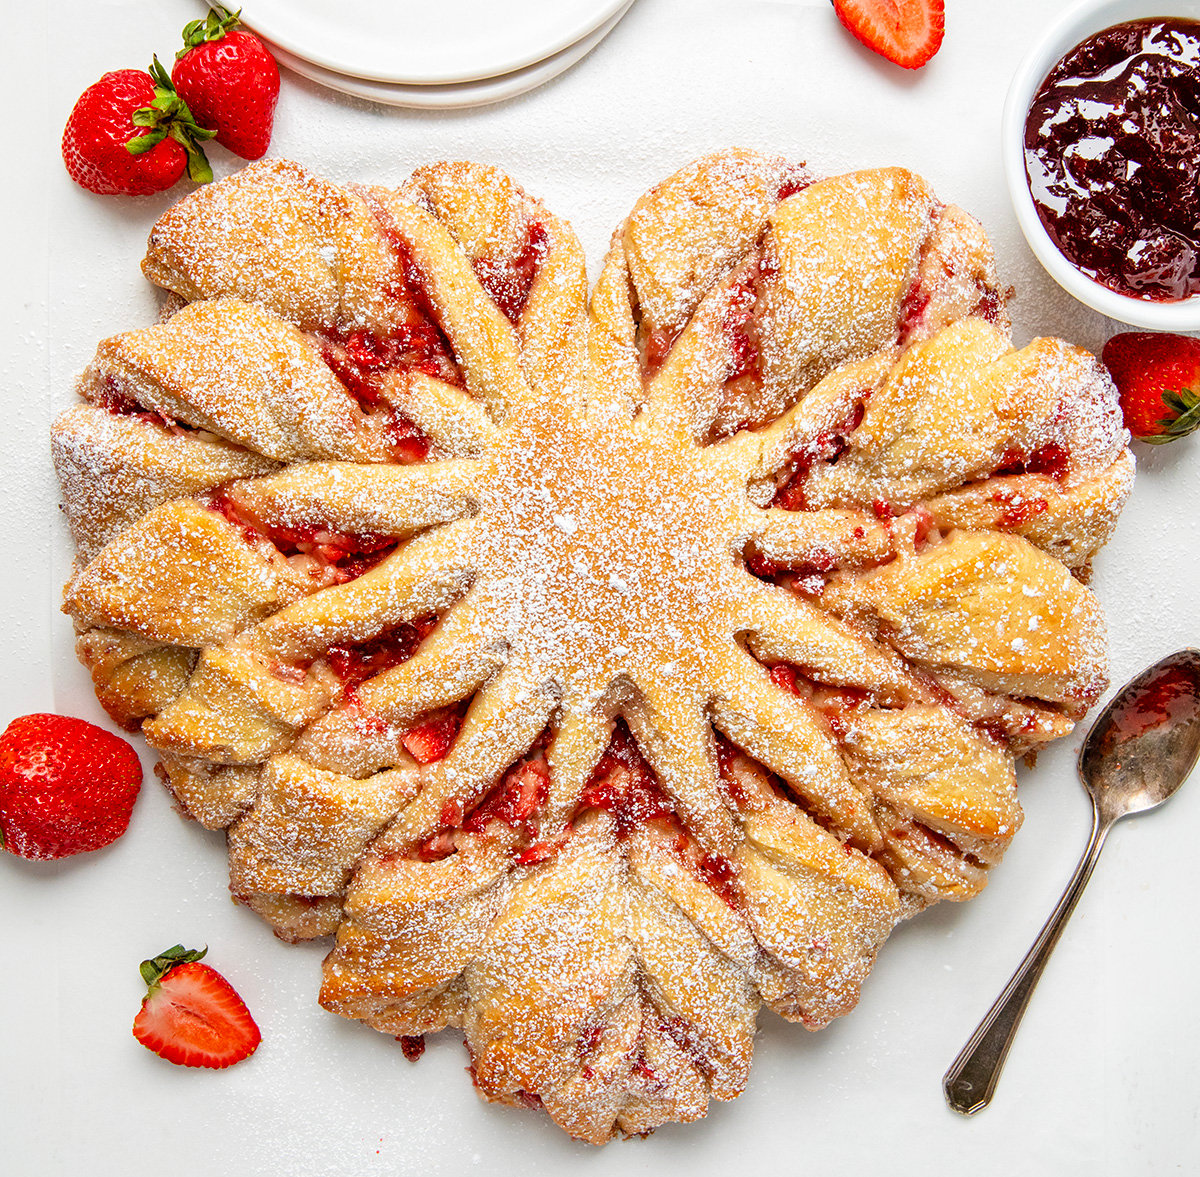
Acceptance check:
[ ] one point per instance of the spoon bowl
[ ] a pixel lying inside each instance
(1142, 747)
(1145, 743)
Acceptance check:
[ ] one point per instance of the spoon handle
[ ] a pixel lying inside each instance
(971, 1080)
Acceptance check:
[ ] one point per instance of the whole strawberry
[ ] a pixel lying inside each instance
(131, 134)
(230, 81)
(191, 1015)
(66, 786)
(1158, 380)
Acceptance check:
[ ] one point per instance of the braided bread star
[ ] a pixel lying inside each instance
(594, 673)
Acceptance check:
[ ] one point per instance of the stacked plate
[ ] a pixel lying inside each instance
(444, 53)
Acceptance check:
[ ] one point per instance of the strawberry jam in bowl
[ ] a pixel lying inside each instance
(1102, 157)
(1112, 153)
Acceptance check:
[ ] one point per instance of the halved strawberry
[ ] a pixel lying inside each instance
(191, 1015)
(907, 32)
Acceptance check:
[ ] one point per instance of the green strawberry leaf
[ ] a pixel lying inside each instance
(169, 105)
(212, 28)
(162, 79)
(1183, 414)
(1185, 408)
(143, 143)
(168, 114)
(198, 168)
(157, 967)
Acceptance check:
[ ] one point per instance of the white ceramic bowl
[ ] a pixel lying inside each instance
(1077, 25)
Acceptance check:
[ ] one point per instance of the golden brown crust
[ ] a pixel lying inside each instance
(114, 469)
(594, 674)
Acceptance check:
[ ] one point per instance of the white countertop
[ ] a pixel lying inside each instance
(1102, 1080)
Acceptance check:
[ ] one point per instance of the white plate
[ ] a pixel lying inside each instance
(422, 43)
(452, 95)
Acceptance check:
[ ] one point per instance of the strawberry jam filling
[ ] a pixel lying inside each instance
(915, 303)
(341, 555)
(786, 677)
(624, 784)
(355, 662)
(412, 1046)
(585, 1046)
(718, 872)
(407, 284)
(809, 577)
(431, 740)
(836, 705)
(113, 399)
(436, 847)
(1051, 459)
(929, 842)
(362, 361)
(645, 1073)
(1003, 730)
(727, 754)
(350, 554)
(508, 281)
(1018, 509)
(515, 801)
(739, 328)
(824, 449)
(794, 183)
(359, 357)
(991, 303)
(656, 346)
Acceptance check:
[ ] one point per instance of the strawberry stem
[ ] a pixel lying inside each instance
(212, 28)
(167, 115)
(1183, 416)
(157, 967)
(198, 168)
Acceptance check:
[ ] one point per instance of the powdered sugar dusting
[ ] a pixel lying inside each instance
(595, 680)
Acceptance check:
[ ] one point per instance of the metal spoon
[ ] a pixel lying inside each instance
(1139, 751)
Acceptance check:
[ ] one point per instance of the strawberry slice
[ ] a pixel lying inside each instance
(907, 32)
(191, 1015)
(430, 741)
(784, 677)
